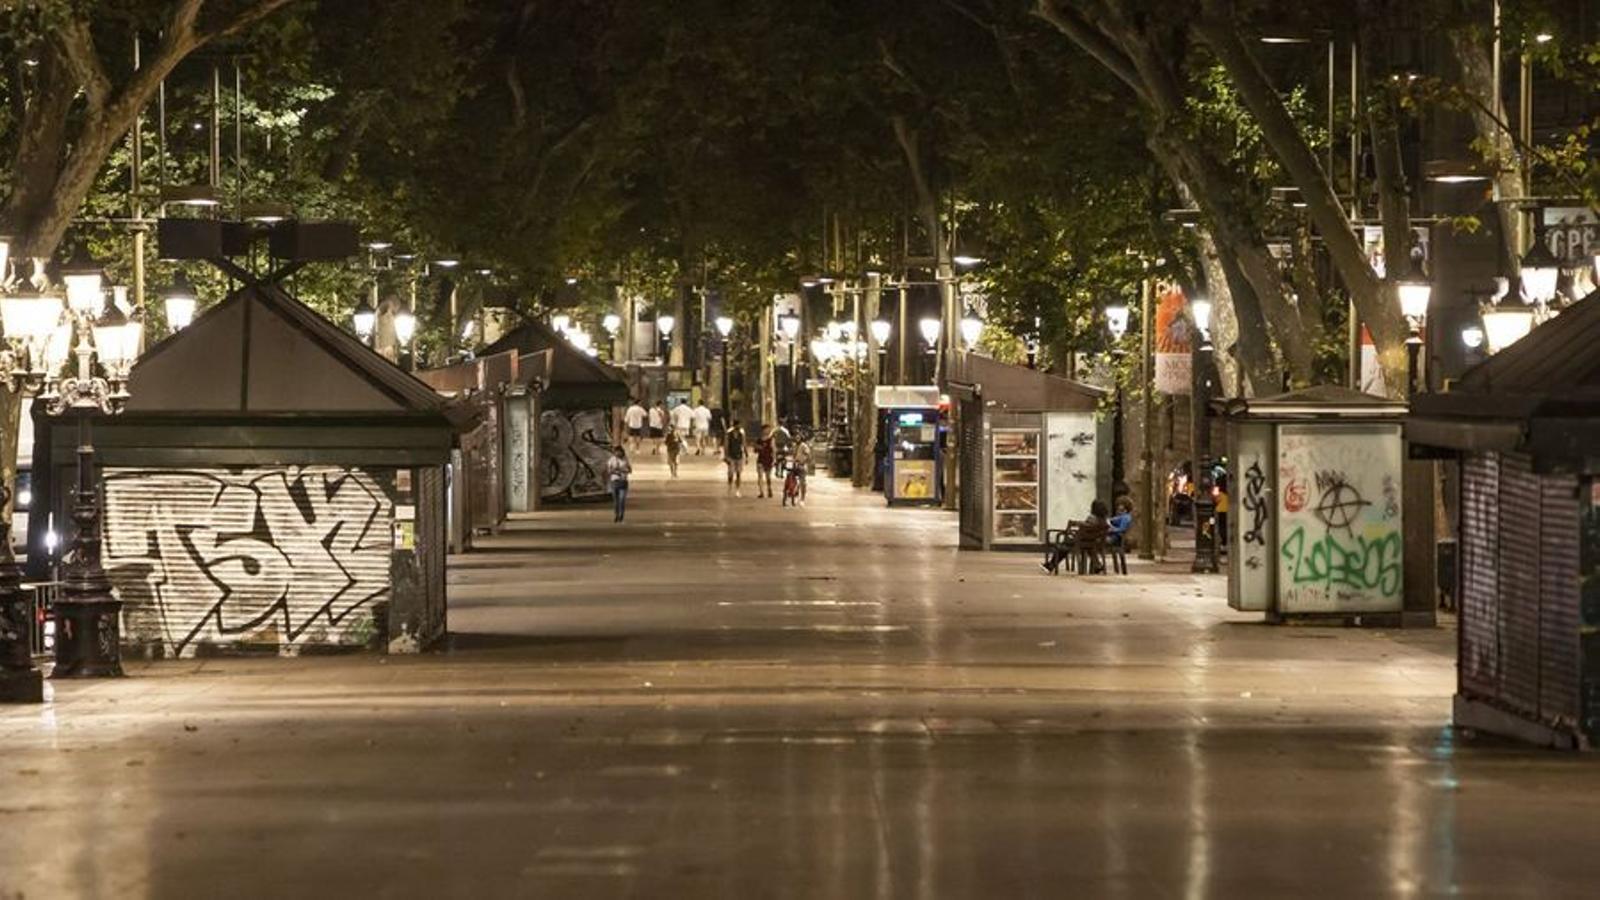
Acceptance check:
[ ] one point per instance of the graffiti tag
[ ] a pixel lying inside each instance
(1295, 494)
(574, 447)
(282, 556)
(1339, 504)
(1255, 504)
(1356, 563)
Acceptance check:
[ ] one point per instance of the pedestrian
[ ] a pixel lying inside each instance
(634, 419)
(674, 448)
(766, 458)
(658, 424)
(1220, 495)
(682, 419)
(617, 471)
(702, 428)
(733, 456)
(802, 466)
(719, 426)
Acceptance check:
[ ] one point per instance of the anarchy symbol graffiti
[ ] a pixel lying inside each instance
(1340, 504)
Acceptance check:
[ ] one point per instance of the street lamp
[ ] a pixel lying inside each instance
(365, 320)
(971, 329)
(1200, 310)
(1117, 316)
(105, 343)
(1507, 321)
(29, 318)
(180, 301)
(580, 339)
(405, 326)
(881, 329)
(724, 326)
(790, 326)
(1414, 292)
(561, 322)
(1540, 273)
(931, 329)
(611, 323)
(665, 323)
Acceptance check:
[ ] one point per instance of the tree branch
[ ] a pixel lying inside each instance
(1092, 41)
(77, 48)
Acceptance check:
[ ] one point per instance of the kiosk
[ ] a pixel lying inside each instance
(913, 439)
(1318, 515)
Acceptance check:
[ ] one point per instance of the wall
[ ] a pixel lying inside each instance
(518, 453)
(1339, 519)
(1250, 527)
(573, 448)
(280, 557)
(1070, 450)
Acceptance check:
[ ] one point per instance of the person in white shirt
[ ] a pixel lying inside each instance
(658, 424)
(634, 419)
(683, 419)
(702, 428)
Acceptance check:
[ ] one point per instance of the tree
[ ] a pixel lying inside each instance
(82, 103)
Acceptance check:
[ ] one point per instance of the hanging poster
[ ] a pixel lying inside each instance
(1174, 345)
(1339, 521)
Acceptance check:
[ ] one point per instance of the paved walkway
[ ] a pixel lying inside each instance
(723, 698)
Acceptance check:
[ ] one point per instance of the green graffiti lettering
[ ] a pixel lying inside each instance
(1360, 564)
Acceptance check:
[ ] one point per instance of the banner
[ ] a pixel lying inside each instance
(1174, 345)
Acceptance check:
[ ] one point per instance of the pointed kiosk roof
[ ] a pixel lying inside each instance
(261, 378)
(1540, 395)
(574, 380)
(1318, 402)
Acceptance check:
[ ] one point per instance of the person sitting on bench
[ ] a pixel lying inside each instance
(1120, 523)
(1092, 529)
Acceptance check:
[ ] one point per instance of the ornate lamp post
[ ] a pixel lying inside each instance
(1414, 292)
(29, 317)
(725, 329)
(88, 642)
(1117, 315)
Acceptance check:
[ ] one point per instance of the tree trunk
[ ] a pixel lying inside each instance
(866, 421)
(1372, 299)
(1254, 349)
(1477, 80)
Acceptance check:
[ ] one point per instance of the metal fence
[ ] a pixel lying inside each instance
(42, 596)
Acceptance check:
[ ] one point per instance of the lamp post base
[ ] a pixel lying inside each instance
(21, 686)
(20, 679)
(88, 636)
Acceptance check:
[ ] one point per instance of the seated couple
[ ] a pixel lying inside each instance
(1099, 525)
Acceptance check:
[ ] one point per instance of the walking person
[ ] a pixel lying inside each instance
(682, 421)
(658, 425)
(733, 456)
(702, 428)
(766, 458)
(617, 471)
(674, 448)
(634, 418)
(801, 462)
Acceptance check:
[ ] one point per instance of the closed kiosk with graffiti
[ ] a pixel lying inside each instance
(274, 487)
(577, 407)
(1319, 522)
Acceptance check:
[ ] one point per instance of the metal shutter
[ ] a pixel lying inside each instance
(1559, 591)
(1479, 662)
(974, 481)
(1519, 583)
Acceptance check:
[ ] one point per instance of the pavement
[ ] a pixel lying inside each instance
(722, 698)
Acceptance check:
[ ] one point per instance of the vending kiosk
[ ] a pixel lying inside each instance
(913, 439)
